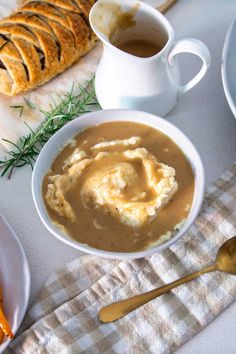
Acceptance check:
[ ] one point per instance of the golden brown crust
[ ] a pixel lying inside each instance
(40, 40)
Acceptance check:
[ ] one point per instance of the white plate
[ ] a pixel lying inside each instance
(14, 277)
(228, 68)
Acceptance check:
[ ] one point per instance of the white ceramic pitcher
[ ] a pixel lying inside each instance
(125, 81)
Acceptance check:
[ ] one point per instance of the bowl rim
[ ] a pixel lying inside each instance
(56, 232)
(26, 277)
(224, 72)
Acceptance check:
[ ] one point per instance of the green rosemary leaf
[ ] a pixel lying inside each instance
(20, 107)
(29, 103)
(29, 127)
(10, 142)
(11, 153)
(23, 163)
(8, 165)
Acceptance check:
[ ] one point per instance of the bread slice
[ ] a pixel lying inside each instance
(40, 40)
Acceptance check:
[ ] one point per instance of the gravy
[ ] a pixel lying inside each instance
(103, 231)
(139, 47)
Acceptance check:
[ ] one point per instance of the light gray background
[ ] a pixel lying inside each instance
(203, 114)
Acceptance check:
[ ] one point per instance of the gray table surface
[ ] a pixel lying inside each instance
(203, 114)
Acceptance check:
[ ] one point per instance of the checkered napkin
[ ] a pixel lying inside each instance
(64, 317)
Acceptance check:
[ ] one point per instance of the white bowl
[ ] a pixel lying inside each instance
(53, 146)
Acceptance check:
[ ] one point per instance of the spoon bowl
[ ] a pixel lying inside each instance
(226, 257)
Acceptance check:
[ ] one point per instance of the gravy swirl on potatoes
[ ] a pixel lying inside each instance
(119, 186)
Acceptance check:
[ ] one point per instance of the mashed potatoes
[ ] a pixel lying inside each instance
(130, 183)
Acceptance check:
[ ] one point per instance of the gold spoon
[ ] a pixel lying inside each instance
(225, 262)
(166, 5)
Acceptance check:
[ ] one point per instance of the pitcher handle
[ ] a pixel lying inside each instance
(193, 46)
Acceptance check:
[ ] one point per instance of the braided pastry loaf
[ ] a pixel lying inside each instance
(40, 40)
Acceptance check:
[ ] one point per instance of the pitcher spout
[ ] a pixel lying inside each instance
(109, 17)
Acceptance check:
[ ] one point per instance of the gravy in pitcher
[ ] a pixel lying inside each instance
(139, 47)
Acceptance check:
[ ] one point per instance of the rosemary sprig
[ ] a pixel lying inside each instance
(28, 147)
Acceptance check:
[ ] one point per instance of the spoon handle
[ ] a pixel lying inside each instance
(166, 5)
(119, 309)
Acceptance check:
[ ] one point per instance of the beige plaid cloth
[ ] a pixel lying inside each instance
(64, 316)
